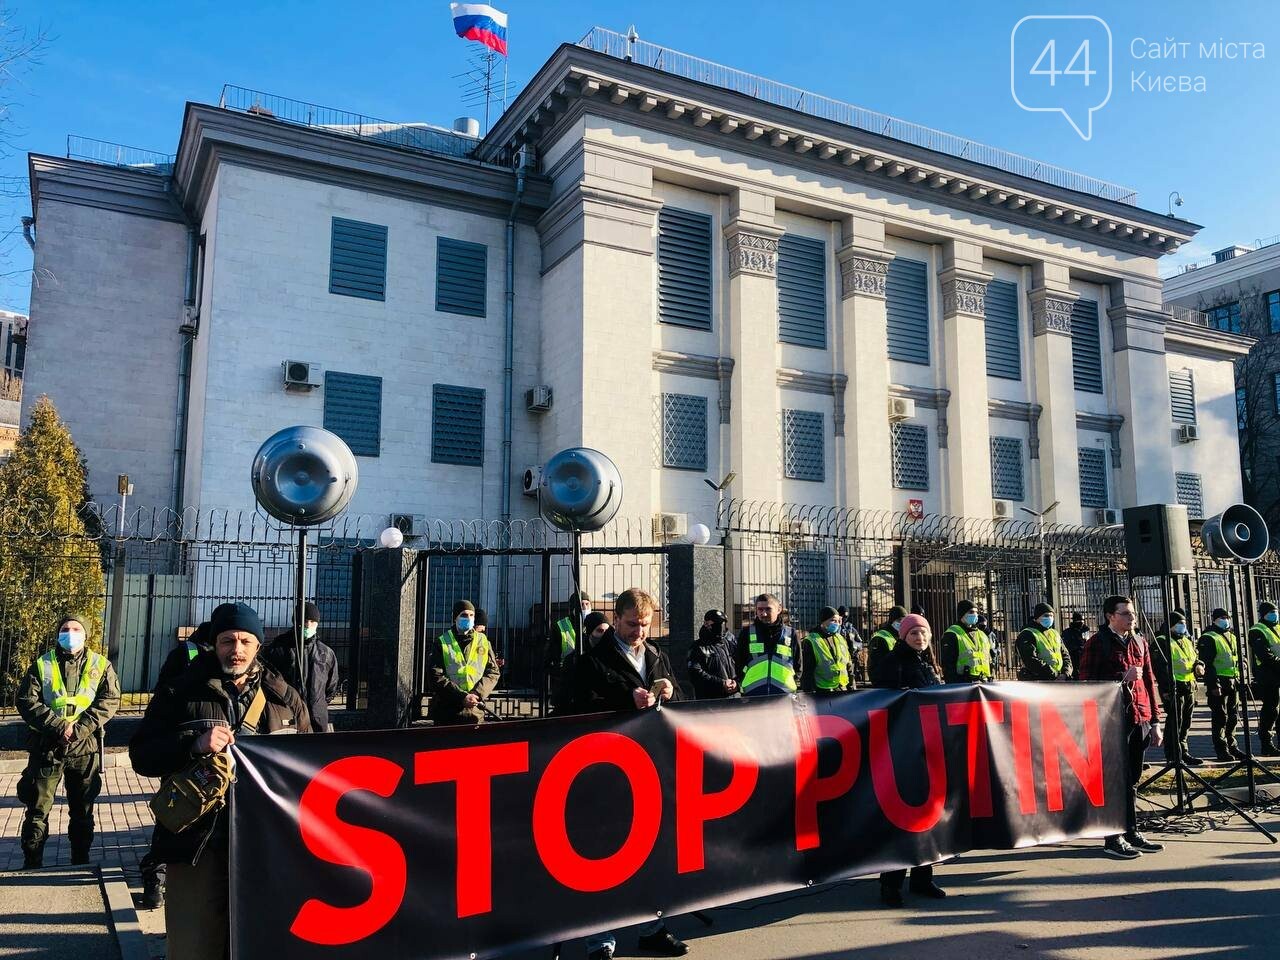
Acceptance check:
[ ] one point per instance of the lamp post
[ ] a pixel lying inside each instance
(1044, 566)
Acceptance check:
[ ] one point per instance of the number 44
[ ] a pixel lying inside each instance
(1051, 51)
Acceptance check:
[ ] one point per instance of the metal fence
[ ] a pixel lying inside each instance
(119, 155)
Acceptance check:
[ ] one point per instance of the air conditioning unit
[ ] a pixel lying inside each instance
(1107, 518)
(901, 408)
(410, 524)
(530, 480)
(1187, 432)
(1002, 509)
(300, 375)
(670, 526)
(538, 399)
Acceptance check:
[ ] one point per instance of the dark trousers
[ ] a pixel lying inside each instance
(1269, 694)
(1223, 711)
(1135, 746)
(36, 789)
(919, 876)
(1175, 738)
(197, 916)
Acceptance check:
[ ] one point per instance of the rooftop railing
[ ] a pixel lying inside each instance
(1187, 315)
(1222, 256)
(118, 155)
(780, 94)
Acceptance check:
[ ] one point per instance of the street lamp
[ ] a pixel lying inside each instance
(1044, 571)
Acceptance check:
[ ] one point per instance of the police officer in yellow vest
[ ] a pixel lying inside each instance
(884, 639)
(1042, 651)
(966, 650)
(1220, 652)
(464, 671)
(1264, 644)
(66, 698)
(828, 660)
(770, 657)
(564, 635)
(1176, 671)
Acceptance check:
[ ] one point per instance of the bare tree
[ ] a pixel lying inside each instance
(1258, 404)
(20, 50)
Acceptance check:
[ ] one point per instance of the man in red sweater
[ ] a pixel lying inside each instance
(1117, 653)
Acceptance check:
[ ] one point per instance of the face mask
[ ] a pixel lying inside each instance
(309, 632)
(586, 609)
(1180, 629)
(1272, 617)
(970, 619)
(1085, 634)
(833, 627)
(465, 623)
(71, 642)
(1222, 624)
(897, 625)
(1046, 622)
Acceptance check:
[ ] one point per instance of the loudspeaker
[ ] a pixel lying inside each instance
(1158, 540)
(1238, 533)
(580, 489)
(304, 475)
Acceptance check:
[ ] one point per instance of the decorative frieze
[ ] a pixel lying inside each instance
(754, 253)
(1051, 311)
(961, 295)
(863, 272)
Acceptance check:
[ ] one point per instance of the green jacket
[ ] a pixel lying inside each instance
(46, 728)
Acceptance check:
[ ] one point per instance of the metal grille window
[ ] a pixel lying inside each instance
(1086, 346)
(461, 272)
(1006, 468)
(1182, 396)
(806, 586)
(1004, 350)
(802, 291)
(802, 446)
(358, 259)
(1226, 317)
(450, 578)
(1273, 311)
(457, 425)
(684, 431)
(907, 310)
(353, 410)
(910, 456)
(1093, 478)
(1191, 494)
(684, 268)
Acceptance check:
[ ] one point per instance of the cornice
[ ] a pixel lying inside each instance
(98, 185)
(1210, 343)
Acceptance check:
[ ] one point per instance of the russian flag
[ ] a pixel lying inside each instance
(482, 23)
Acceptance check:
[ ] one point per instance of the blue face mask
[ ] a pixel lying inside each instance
(1272, 617)
(833, 627)
(1222, 624)
(970, 619)
(1180, 629)
(465, 623)
(71, 642)
(897, 625)
(1046, 622)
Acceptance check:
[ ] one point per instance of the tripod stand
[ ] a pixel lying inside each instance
(1176, 762)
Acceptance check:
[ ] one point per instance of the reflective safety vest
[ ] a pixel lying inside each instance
(1272, 638)
(831, 661)
(767, 673)
(887, 636)
(568, 641)
(193, 650)
(974, 652)
(54, 691)
(465, 669)
(1182, 658)
(1224, 654)
(1048, 647)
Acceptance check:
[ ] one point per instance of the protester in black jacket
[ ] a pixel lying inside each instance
(711, 659)
(1074, 638)
(323, 681)
(182, 656)
(909, 666)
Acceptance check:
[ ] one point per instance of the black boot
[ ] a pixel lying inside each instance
(153, 892)
(1232, 749)
(32, 861)
(79, 856)
(1268, 748)
(1188, 759)
(890, 896)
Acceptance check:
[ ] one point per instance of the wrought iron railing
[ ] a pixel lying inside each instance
(119, 155)
(781, 94)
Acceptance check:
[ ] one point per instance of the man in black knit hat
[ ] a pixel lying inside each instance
(1176, 672)
(966, 651)
(1043, 654)
(1220, 652)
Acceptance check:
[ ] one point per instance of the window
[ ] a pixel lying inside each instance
(461, 274)
(1226, 317)
(353, 410)
(684, 268)
(1273, 311)
(1182, 396)
(1004, 352)
(457, 425)
(684, 431)
(802, 291)
(450, 578)
(907, 310)
(1242, 409)
(802, 446)
(1190, 494)
(910, 444)
(358, 259)
(1006, 468)
(806, 586)
(1086, 346)
(1093, 478)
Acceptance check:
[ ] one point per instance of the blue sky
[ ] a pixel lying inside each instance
(122, 71)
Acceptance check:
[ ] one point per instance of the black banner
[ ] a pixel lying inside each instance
(453, 842)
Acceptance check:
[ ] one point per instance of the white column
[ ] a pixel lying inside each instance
(1051, 299)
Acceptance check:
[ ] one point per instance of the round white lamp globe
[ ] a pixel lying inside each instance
(699, 534)
(391, 538)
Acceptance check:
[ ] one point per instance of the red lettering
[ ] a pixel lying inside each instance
(975, 715)
(1024, 772)
(812, 789)
(1056, 739)
(551, 836)
(473, 768)
(903, 815)
(694, 807)
(336, 841)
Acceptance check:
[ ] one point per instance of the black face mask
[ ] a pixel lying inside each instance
(709, 634)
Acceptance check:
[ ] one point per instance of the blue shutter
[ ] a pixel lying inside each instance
(684, 431)
(802, 291)
(1191, 494)
(358, 259)
(1182, 396)
(457, 425)
(806, 587)
(802, 446)
(910, 444)
(1006, 468)
(353, 410)
(460, 277)
(684, 268)
(1086, 347)
(1093, 477)
(907, 308)
(1004, 351)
